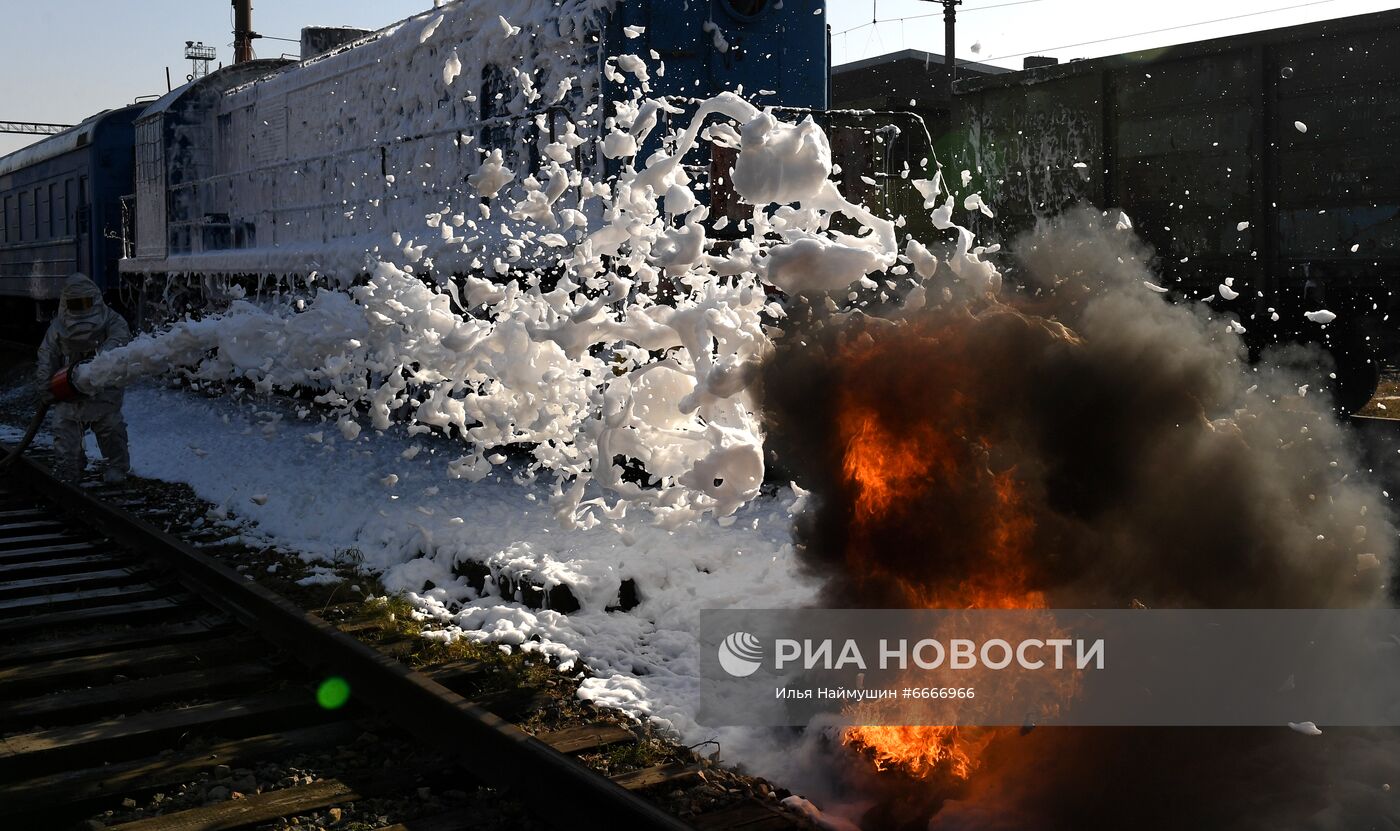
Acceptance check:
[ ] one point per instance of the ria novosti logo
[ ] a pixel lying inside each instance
(741, 654)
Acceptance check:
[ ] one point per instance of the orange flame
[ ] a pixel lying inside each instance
(886, 472)
(879, 465)
(922, 751)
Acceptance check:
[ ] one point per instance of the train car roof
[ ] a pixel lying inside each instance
(926, 58)
(258, 68)
(1374, 21)
(331, 54)
(56, 145)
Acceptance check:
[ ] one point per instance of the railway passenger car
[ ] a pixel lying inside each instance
(60, 212)
(1268, 158)
(309, 167)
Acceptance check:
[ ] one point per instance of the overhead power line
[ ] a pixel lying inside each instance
(970, 10)
(1159, 31)
(1145, 32)
(875, 21)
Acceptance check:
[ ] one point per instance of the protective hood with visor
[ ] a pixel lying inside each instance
(80, 306)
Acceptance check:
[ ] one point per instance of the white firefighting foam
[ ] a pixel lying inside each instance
(596, 371)
(644, 350)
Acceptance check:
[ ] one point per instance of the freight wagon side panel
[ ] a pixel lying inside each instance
(1338, 184)
(1024, 142)
(1183, 161)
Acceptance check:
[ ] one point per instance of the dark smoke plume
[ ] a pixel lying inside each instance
(1155, 465)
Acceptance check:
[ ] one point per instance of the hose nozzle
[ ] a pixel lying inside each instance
(64, 384)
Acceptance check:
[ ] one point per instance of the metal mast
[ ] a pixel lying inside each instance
(199, 57)
(949, 27)
(243, 33)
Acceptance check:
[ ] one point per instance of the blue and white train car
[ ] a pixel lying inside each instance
(309, 167)
(61, 211)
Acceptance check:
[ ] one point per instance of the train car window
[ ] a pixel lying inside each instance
(82, 215)
(745, 8)
(11, 220)
(245, 235)
(5, 220)
(71, 205)
(59, 198)
(26, 216)
(532, 141)
(495, 122)
(43, 212)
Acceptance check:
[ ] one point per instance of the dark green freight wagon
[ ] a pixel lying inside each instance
(1272, 158)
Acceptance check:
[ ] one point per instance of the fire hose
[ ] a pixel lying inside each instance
(62, 387)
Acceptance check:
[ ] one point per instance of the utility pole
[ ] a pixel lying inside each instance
(950, 16)
(243, 33)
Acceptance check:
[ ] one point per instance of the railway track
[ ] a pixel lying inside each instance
(130, 662)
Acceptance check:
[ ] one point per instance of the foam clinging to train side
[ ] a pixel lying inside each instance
(640, 355)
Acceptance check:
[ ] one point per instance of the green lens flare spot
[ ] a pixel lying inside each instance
(333, 693)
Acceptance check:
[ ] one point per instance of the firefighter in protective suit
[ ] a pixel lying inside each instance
(83, 327)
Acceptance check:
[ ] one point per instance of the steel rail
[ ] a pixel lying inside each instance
(492, 749)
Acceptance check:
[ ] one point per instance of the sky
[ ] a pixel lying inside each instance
(1003, 32)
(113, 52)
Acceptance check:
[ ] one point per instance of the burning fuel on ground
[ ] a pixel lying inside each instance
(1075, 442)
